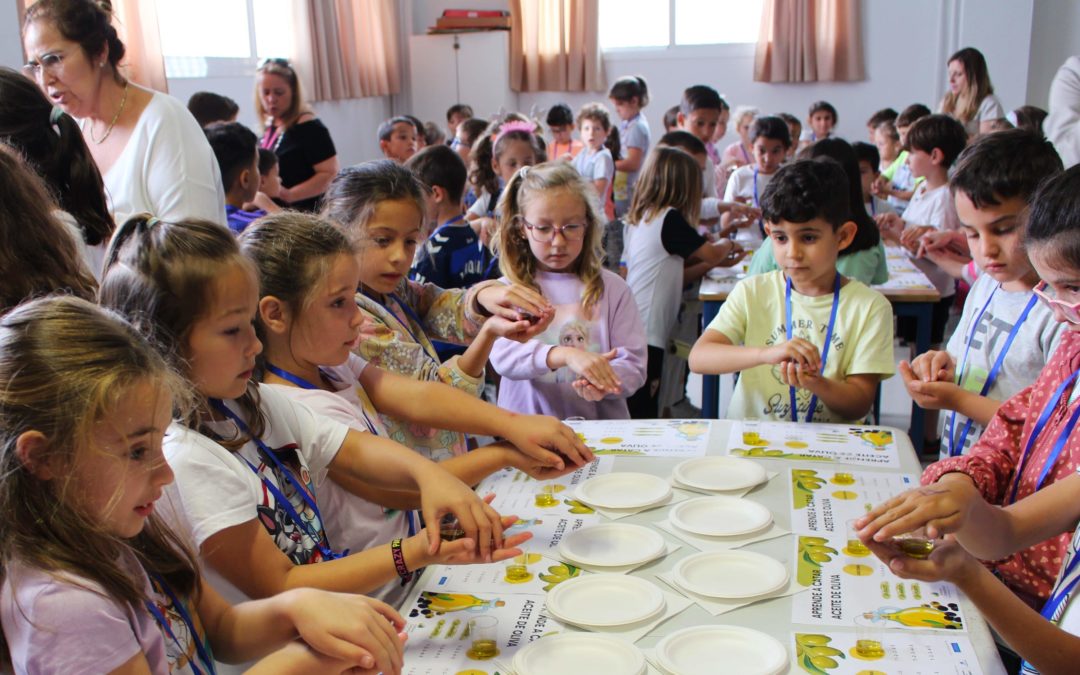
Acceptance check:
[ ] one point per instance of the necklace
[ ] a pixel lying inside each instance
(112, 124)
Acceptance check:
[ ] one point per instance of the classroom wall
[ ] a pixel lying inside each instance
(1055, 35)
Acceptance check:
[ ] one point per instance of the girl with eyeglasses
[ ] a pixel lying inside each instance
(592, 356)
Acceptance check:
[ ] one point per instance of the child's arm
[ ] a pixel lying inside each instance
(600, 185)
(261, 201)
(715, 354)
(632, 161)
(929, 381)
(850, 397)
(474, 359)
(723, 253)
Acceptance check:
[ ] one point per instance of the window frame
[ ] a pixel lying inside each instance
(674, 50)
(193, 67)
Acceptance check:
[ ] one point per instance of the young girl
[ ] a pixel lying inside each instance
(506, 148)
(663, 253)
(246, 457)
(308, 322)
(595, 162)
(380, 205)
(741, 152)
(93, 579)
(630, 95)
(593, 355)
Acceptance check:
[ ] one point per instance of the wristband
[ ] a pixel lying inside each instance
(399, 561)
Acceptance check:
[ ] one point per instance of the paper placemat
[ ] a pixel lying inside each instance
(655, 669)
(676, 496)
(769, 475)
(712, 544)
(674, 603)
(669, 548)
(716, 606)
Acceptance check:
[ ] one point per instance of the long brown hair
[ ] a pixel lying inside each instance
(964, 105)
(161, 276)
(37, 254)
(64, 364)
(516, 259)
(297, 107)
(352, 197)
(672, 178)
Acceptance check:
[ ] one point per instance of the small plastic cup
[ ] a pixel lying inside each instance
(484, 633)
(546, 497)
(868, 635)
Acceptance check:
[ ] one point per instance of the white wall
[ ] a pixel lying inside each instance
(10, 40)
(1055, 36)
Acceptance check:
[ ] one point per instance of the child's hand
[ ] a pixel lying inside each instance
(515, 302)
(586, 391)
(531, 467)
(353, 628)
(463, 551)
(881, 187)
(890, 225)
(947, 240)
(933, 366)
(948, 562)
(941, 508)
(519, 331)
(595, 368)
(911, 237)
(935, 395)
(794, 375)
(743, 211)
(441, 493)
(548, 441)
(797, 350)
(735, 253)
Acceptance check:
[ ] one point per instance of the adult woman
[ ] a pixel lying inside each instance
(151, 152)
(53, 146)
(307, 159)
(971, 97)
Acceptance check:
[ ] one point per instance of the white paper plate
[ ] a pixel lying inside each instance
(706, 650)
(730, 574)
(719, 473)
(623, 490)
(720, 516)
(579, 654)
(611, 545)
(605, 600)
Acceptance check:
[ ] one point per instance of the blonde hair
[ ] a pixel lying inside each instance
(516, 260)
(964, 105)
(64, 365)
(297, 107)
(670, 178)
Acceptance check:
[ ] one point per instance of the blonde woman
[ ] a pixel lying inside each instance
(970, 98)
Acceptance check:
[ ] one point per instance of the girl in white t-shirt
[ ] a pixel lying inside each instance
(247, 458)
(309, 324)
(94, 581)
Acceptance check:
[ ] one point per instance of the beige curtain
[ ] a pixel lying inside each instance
(809, 41)
(347, 48)
(554, 45)
(136, 24)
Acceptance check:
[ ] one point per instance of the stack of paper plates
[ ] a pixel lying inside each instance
(579, 654)
(730, 575)
(719, 474)
(707, 650)
(623, 491)
(611, 545)
(720, 516)
(605, 600)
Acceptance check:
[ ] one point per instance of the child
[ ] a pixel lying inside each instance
(247, 458)
(809, 344)
(820, 120)
(595, 162)
(663, 253)
(592, 357)
(711, 207)
(451, 256)
(795, 130)
(418, 126)
(94, 581)
(308, 321)
(455, 115)
(495, 157)
(467, 134)
(699, 114)
(671, 119)
(1004, 335)
(380, 206)
(207, 108)
(269, 183)
(741, 152)
(869, 170)
(934, 143)
(894, 181)
(237, 151)
(770, 141)
(883, 115)
(397, 139)
(630, 95)
(1029, 118)
(560, 121)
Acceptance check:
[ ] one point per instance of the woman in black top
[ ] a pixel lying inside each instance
(307, 159)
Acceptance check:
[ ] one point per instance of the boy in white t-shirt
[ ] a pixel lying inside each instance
(770, 140)
(810, 344)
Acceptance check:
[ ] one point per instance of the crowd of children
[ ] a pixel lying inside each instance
(223, 460)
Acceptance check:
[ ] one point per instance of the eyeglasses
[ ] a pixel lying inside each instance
(50, 63)
(1046, 293)
(546, 233)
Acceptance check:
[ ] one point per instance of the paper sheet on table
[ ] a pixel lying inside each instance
(548, 531)
(645, 438)
(845, 583)
(515, 492)
(824, 500)
(905, 653)
(546, 573)
(840, 443)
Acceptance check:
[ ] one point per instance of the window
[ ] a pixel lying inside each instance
(196, 34)
(629, 24)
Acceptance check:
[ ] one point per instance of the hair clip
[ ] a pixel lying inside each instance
(152, 221)
(522, 172)
(514, 125)
(55, 114)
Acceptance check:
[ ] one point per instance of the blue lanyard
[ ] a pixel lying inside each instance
(956, 445)
(412, 315)
(449, 223)
(1059, 444)
(327, 552)
(304, 384)
(757, 203)
(824, 351)
(873, 207)
(745, 154)
(1063, 591)
(200, 648)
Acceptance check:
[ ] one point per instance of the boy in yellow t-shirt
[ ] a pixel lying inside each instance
(810, 344)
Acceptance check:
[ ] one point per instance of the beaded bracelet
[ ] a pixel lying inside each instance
(399, 561)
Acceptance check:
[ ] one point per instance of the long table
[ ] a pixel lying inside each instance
(773, 616)
(908, 289)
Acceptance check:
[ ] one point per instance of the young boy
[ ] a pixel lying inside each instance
(269, 183)
(397, 139)
(770, 141)
(560, 121)
(869, 163)
(822, 360)
(671, 119)
(883, 115)
(236, 149)
(207, 107)
(455, 115)
(820, 121)
(595, 161)
(699, 114)
(451, 256)
(1005, 335)
(896, 181)
(795, 131)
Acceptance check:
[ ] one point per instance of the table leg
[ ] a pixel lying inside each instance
(923, 318)
(710, 384)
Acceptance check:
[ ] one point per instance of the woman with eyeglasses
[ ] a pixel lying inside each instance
(307, 159)
(151, 152)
